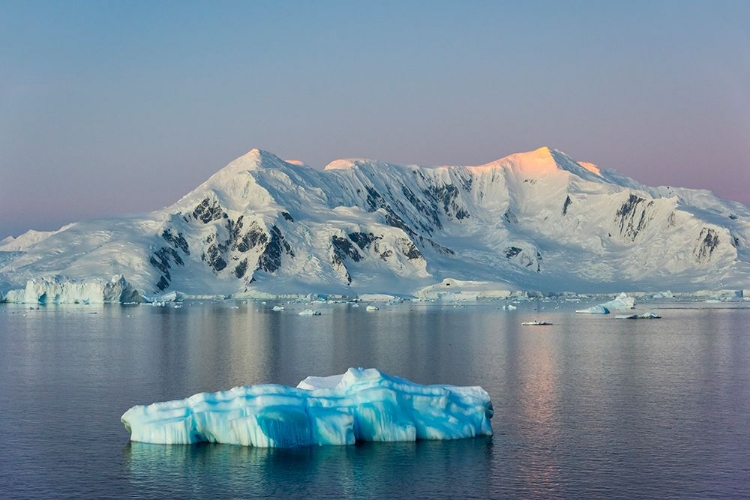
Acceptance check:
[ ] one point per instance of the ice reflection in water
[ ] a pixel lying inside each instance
(430, 469)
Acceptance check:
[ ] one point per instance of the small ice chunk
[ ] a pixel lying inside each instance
(648, 315)
(309, 312)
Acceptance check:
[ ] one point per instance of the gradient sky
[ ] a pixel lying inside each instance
(116, 107)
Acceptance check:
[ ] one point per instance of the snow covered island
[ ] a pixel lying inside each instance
(262, 227)
(360, 405)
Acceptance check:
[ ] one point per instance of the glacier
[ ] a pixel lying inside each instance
(64, 290)
(359, 405)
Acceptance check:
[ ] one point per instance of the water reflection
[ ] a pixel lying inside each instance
(430, 469)
(590, 407)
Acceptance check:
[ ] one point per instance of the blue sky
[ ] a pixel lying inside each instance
(111, 107)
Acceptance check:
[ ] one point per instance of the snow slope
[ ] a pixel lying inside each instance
(534, 221)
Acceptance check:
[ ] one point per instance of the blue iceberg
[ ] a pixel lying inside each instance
(600, 309)
(360, 405)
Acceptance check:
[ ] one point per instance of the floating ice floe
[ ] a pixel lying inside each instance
(372, 308)
(360, 405)
(278, 308)
(648, 315)
(309, 312)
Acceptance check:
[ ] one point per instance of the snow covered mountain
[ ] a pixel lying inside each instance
(533, 221)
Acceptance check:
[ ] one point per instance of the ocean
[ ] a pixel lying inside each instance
(588, 407)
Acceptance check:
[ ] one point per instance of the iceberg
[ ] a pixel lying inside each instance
(600, 309)
(621, 302)
(359, 405)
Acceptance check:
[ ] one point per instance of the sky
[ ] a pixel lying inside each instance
(122, 107)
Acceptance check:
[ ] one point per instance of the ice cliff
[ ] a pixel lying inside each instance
(63, 290)
(360, 405)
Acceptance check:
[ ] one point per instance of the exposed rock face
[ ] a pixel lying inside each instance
(567, 203)
(708, 241)
(208, 210)
(270, 259)
(633, 216)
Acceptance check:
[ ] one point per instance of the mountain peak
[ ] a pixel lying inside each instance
(539, 158)
(253, 160)
(344, 163)
(544, 161)
(543, 151)
(538, 161)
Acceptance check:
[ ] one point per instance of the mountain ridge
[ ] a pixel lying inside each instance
(536, 221)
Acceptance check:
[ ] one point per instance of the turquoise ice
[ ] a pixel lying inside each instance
(360, 405)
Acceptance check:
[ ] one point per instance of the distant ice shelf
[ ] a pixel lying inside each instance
(360, 405)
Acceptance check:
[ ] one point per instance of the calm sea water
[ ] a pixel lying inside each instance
(591, 407)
